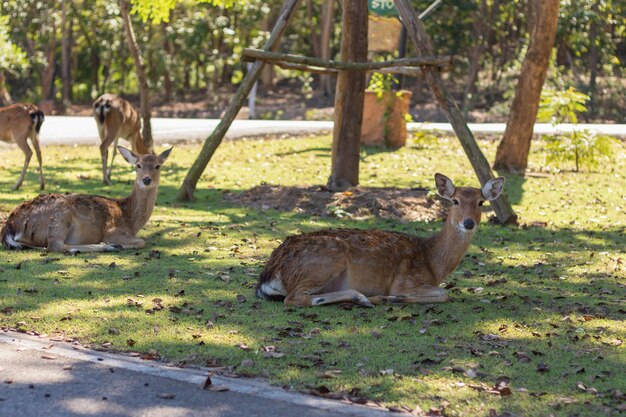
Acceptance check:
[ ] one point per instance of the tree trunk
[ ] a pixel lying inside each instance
(47, 75)
(167, 49)
(188, 187)
(512, 154)
(328, 14)
(349, 98)
(140, 68)
(268, 75)
(66, 40)
(594, 58)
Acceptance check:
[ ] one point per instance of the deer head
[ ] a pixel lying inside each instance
(466, 210)
(147, 166)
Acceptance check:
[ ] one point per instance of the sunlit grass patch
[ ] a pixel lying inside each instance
(539, 306)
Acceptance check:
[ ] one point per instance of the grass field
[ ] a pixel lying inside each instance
(535, 324)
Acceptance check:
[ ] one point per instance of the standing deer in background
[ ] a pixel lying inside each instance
(369, 267)
(116, 118)
(19, 122)
(88, 223)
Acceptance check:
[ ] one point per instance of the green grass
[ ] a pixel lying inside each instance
(542, 306)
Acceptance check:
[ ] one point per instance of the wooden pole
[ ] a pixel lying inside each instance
(187, 189)
(350, 92)
(278, 57)
(423, 46)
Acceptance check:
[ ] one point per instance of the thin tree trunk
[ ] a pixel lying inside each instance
(328, 14)
(167, 49)
(140, 68)
(349, 98)
(268, 74)
(512, 154)
(66, 29)
(47, 76)
(594, 58)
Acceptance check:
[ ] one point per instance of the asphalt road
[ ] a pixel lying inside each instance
(40, 378)
(82, 130)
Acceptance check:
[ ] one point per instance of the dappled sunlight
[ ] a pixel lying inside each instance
(535, 304)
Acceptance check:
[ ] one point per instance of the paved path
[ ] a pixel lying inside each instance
(39, 378)
(82, 130)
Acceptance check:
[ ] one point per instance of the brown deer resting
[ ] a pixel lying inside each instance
(87, 223)
(369, 267)
(116, 118)
(19, 122)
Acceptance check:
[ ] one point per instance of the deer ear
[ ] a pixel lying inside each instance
(165, 154)
(493, 188)
(445, 187)
(130, 156)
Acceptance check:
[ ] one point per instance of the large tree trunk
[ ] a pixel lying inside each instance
(328, 14)
(349, 98)
(140, 67)
(512, 154)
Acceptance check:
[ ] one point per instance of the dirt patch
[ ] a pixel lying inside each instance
(404, 205)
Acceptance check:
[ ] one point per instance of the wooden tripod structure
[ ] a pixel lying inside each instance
(351, 72)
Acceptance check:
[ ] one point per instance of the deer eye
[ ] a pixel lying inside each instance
(455, 202)
(480, 203)
(157, 167)
(138, 166)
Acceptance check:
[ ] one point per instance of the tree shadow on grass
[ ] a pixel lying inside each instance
(527, 313)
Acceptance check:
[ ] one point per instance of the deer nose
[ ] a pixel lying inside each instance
(147, 181)
(469, 224)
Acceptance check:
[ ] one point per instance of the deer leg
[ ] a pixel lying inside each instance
(424, 294)
(109, 138)
(345, 296)
(113, 157)
(35, 140)
(125, 240)
(23, 145)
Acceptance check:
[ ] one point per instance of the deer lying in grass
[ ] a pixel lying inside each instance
(369, 267)
(116, 118)
(88, 223)
(19, 122)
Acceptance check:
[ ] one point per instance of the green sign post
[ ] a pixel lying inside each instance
(382, 7)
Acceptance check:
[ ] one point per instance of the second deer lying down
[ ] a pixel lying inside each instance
(88, 223)
(369, 267)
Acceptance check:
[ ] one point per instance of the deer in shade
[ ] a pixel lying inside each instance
(368, 267)
(18, 123)
(116, 118)
(88, 223)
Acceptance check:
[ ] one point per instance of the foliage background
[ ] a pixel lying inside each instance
(192, 50)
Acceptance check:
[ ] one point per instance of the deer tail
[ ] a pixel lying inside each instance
(7, 237)
(270, 287)
(37, 117)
